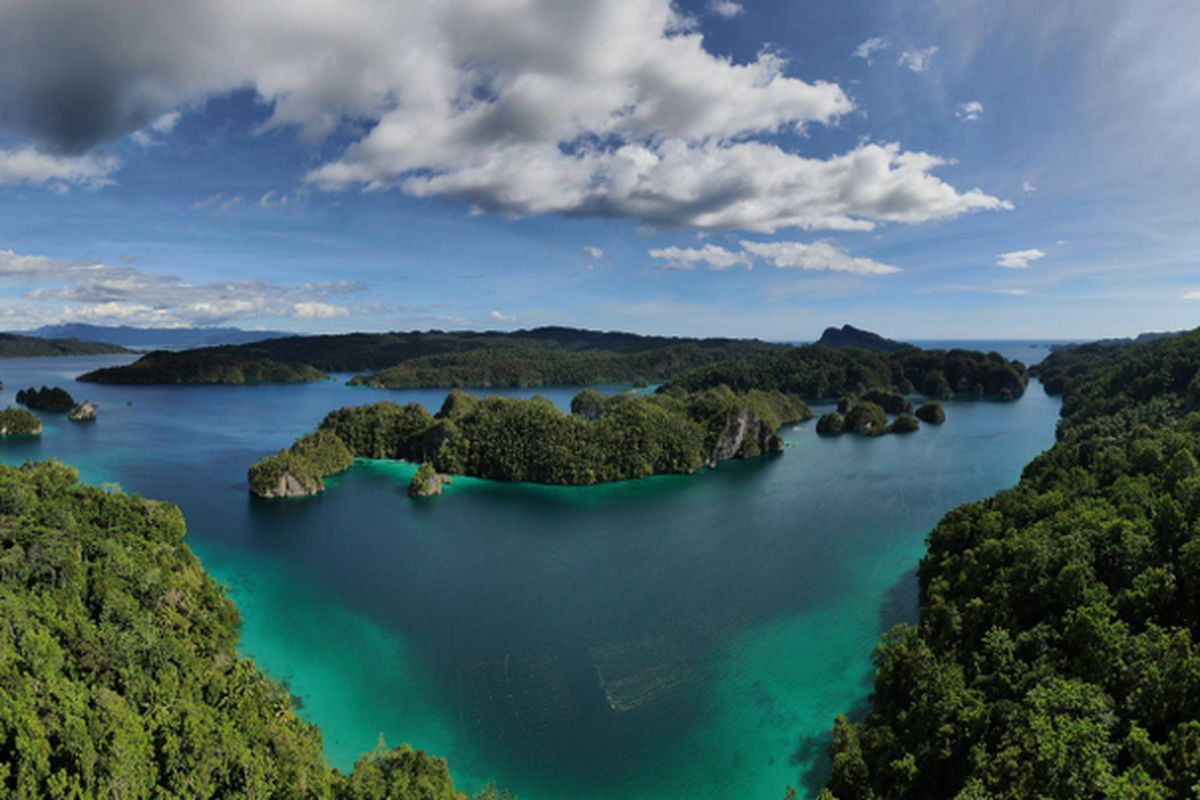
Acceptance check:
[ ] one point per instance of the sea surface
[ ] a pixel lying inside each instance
(672, 637)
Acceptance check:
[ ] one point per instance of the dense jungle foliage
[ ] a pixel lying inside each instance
(46, 398)
(524, 366)
(822, 372)
(1056, 654)
(19, 422)
(298, 359)
(119, 670)
(607, 439)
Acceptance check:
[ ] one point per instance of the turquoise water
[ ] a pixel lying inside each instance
(673, 637)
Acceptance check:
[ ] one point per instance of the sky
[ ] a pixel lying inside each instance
(929, 169)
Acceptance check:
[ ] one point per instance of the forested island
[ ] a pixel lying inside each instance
(46, 398)
(1056, 654)
(822, 372)
(19, 422)
(602, 439)
(14, 345)
(536, 357)
(120, 674)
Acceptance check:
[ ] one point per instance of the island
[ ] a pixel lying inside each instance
(539, 356)
(46, 399)
(13, 345)
(505, 439)
(122, 675)
(83, 412)
(19, 422)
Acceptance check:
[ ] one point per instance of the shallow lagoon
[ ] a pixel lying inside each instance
(678, 636)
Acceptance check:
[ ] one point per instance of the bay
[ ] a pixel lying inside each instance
(673, 637)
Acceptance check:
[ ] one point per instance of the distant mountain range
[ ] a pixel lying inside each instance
(153, 338)
(850, 336)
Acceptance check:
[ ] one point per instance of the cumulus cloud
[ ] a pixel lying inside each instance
(594, 251)
(1028, 188)
(688, 258)
(819, 256)
(969, 111)
(28, 165)
(918, 60)
(1019, 259)
(612, 108)
(498, 316)
(725, 8)
(867, 48)
(91, 291)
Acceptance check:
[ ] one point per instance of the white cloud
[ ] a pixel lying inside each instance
(91, 291)
(1011, 292)
(166, 123)
(497, 316)
(917, 60)
(1028, 188)
(725, 8)
(594, 251)
(1019, 259)
(969, 111)
(27, 165)
(866, 49)
(1192, 295)
(274, 199)
(818, 256)
(688, 258)
(613, 108)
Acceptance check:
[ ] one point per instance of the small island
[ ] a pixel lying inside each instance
(611, 438)
(13, 345)
(46, 399)
(83, 412)
(19, 422)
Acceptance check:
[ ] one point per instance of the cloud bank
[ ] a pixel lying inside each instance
(611, 108)
(820, 256)
(67, 290)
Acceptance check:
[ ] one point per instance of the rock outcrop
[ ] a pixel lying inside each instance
(84, 412)
(289, 484)
(745, 435)
(427, 482)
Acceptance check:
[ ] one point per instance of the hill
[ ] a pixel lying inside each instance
(120, 674)
(14, 345)
(850, 336)
(307, 358)
(1058, 649)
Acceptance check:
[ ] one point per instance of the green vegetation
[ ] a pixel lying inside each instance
(119, 670)
(905, 423)
(301, 469)
(866, 417)
(822, 372)
(19, 422)
(931, 412)
(16, 346)
(436, 358)
(618, 438)
(1057, 651)
(830, 424)
(46, 399)
(525, 366)
(426, 482)
(209, 365)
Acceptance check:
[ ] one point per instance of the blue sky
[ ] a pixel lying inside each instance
(946, 169)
